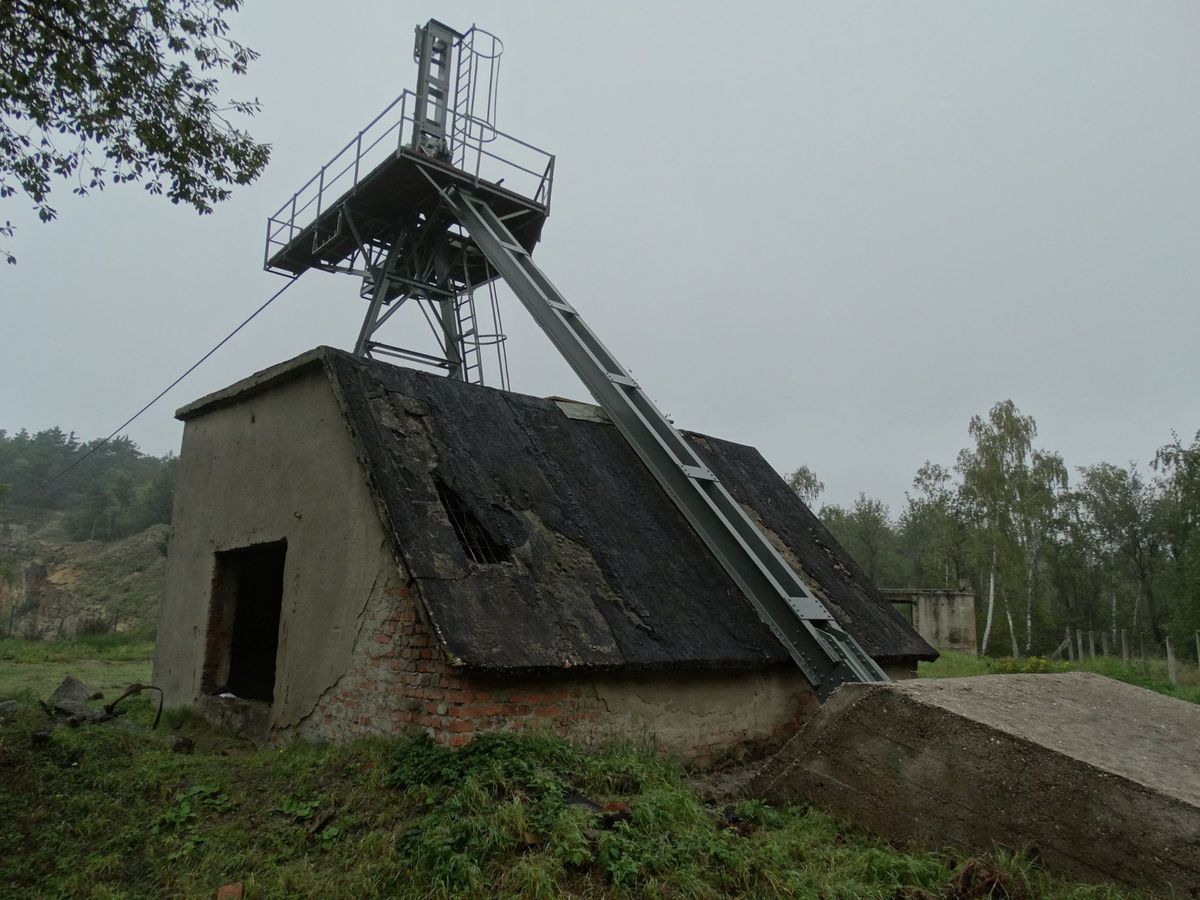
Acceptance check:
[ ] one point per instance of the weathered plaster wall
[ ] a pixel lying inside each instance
(944, 618)
(399, 682)
(900, 671)
(270, 466)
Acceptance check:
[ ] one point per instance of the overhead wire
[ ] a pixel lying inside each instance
(192, 368)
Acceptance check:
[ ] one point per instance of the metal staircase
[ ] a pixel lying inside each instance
(826, 654)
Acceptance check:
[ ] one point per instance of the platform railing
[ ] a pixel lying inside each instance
(501, 159)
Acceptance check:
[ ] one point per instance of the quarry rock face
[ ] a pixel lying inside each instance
(1101, 777)
(68, 588)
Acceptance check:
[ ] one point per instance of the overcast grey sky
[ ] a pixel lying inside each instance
(831, 230)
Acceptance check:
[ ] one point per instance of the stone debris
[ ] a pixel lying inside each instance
(70, 700)
(72, 690)
(10, 709)
(40, 737)
(183, 744)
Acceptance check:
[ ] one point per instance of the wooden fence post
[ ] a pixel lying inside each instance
(1198, 648)
(1079, 641)
(1104, 643)
(1124, 647)
(1092, 643)
(1171, 673)
(1070, 649)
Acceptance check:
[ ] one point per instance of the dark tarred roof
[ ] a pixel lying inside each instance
(602, 571)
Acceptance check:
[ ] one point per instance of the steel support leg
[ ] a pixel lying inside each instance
(370, 323)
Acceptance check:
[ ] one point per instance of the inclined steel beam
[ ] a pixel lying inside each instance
(825, 653)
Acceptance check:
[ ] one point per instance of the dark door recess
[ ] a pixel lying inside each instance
(243, 627)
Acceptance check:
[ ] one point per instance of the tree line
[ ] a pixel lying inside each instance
(1103, 548)
(115, 492)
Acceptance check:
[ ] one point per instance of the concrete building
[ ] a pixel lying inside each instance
(944, 618)
(359, 548)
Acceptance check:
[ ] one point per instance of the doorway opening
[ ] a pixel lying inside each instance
(243, 623)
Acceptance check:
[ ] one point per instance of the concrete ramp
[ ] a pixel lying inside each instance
(1103, 778)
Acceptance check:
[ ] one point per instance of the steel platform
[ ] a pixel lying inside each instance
(403, 185)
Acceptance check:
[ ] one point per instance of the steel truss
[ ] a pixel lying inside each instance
(427, 263)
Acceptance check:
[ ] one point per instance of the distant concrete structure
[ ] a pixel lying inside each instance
(945, 618)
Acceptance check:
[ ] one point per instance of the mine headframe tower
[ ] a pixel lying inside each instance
(429, 204)
(376, 209)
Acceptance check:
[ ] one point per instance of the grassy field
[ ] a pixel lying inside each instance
(111, 811)
(33, 669)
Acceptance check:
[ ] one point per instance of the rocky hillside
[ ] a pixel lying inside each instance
(52, 587)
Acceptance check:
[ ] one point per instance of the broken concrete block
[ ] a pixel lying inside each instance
(72, 690)
(1102, 778)
(10, 708)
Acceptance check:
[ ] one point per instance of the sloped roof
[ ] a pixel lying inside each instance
(602, 571)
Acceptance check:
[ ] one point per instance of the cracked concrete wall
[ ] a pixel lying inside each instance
(269, 466)
(701, 715)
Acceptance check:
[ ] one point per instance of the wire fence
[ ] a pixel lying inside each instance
(1142, 650)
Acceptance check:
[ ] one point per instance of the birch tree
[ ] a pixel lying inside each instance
(1122, 511)
(1038, 484)
(992, 473)
(805, 484)
(865, 530)
(934, 529)
(1178, 467)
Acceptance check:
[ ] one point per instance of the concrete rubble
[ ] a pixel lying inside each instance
(71, 698)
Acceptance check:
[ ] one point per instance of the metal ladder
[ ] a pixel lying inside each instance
(468, 338)
(461, 113)
(432, 52)
(826, 654)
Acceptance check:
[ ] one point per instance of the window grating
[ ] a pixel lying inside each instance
(475, 541)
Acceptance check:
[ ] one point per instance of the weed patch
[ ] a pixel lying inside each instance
(111, 811)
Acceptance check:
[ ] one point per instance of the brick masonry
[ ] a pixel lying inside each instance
(399, 681)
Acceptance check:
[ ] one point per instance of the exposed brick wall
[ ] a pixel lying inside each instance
(398, 682)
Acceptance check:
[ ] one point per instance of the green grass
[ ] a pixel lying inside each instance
(33, 669)
(106, 811)
(952, 664)
(1151, 675)
(110, 811)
